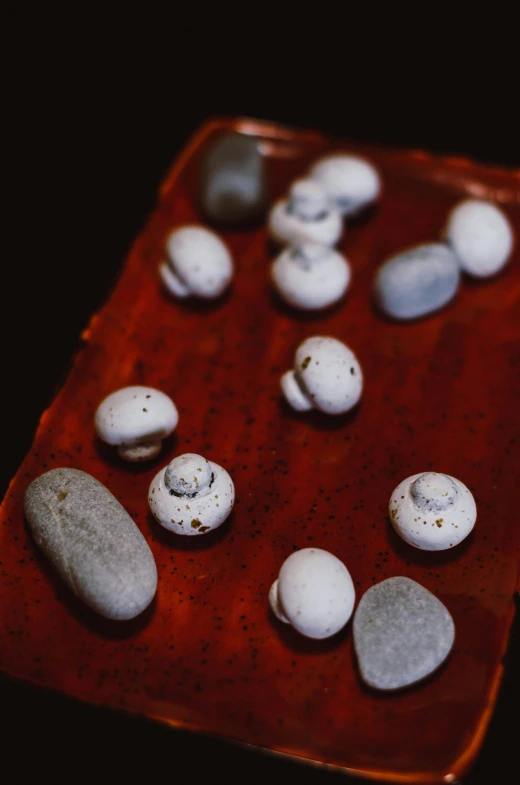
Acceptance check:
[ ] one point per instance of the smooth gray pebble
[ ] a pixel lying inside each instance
(92, 542)
(417, 282)
(402, 633)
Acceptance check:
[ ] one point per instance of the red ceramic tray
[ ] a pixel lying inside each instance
(440, 394)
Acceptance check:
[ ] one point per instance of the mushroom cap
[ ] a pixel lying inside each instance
(188, 474)
(311, 276)
(329, 374)
(351, 182)
(481, 237)
(315, 592)
(192, 515)
(432, 511)
(417, 281)
(305, 216)
(200, 259)
(135, 414)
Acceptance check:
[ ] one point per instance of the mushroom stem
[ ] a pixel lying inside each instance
(307, 254)
(307, 201)
(274, 602)
(144, 451)
(434, 492)
(172, 282)
(293, 393)
(189, 476)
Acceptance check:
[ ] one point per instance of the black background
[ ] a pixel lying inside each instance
(96, 108)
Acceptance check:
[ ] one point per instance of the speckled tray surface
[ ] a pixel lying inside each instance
(440, 394)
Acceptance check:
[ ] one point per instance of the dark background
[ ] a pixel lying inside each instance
(96, 109)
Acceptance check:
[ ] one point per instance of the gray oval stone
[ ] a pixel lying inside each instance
(233, 187)
(402, 633)
(417, 282)
(92, 542)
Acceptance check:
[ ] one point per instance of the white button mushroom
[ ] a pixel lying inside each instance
(314, 593)
(199, 264)
(351, 183)
(481, 237)
(327, 376)
(432, 511)
(191, 495)
(311, 276)
(136, 420)
(306, 216)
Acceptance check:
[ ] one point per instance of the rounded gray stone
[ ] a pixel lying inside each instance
(417, 282)
(92, 542)
(233, 183)
(402, 633)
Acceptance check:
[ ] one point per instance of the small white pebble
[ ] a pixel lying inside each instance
(305, 216)
(311, 276)
(191, 495)
(327, 376)
(198, 264)
(432, 511)
(352, 183)
(480, 236)
(314, 593)
(136, 420)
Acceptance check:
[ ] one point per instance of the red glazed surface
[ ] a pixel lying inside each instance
(440, 394)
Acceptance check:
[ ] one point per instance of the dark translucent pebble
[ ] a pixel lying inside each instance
(233, 189)
(92, 542)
